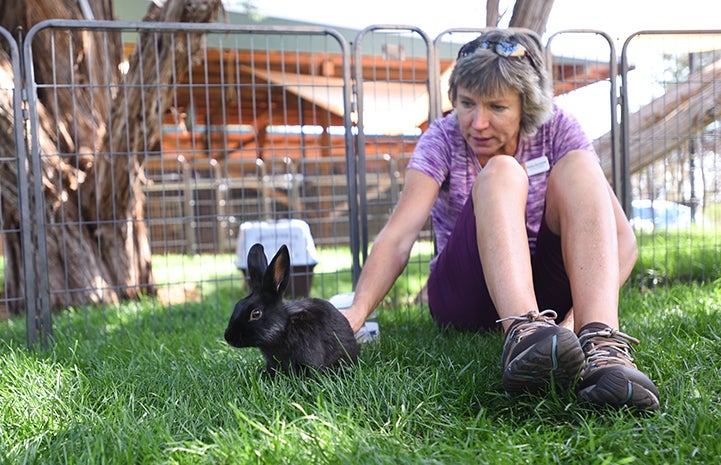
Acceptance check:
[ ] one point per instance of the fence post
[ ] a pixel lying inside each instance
(432, 90)
(625, 172)
(188, 207)
(38, 300)
(24, 191)
(221, 202)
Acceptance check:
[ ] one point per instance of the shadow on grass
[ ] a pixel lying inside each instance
(164, 382)
(143, 379)
(414, 361)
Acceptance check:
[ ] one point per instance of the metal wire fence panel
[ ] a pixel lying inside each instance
(17, 266)
(8, 162)
(396, 93)
(672, 83)
(164, 157)
(165, 149)
(585, 79)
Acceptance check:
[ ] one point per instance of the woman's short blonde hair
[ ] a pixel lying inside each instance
(483, 71)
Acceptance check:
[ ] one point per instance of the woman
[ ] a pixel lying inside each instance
(524, 221)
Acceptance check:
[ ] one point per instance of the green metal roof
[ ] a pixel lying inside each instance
(134, 10)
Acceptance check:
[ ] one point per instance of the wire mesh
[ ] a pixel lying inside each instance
(259, 126)
(672, 95)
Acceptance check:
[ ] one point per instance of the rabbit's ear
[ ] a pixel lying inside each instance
(278, 273)
(296, 311)
(257, 264)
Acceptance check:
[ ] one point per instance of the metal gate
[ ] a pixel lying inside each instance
(274, 124)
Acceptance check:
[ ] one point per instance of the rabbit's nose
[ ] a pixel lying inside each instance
(232, 339)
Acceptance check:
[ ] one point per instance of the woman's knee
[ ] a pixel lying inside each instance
(579, 165)
(576, 181)
(501, 173)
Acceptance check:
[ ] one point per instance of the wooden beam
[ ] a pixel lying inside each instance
(669, 120)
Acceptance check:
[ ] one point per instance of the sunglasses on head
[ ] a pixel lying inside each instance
(500, 48)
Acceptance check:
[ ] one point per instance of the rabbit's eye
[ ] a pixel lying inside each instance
(256, 314)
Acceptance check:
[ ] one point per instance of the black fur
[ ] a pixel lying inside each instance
(297, 336)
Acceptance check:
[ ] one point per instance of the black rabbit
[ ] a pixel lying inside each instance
(299, 336)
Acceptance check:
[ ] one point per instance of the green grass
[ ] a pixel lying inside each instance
(678, 256)
(331, 276)
(146, 384)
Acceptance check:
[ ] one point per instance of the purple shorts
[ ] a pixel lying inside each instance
(457, 292)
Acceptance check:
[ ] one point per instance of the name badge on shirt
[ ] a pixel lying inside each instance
(537, 166)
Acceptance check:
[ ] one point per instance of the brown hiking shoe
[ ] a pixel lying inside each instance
(609, 374)
(537, 353)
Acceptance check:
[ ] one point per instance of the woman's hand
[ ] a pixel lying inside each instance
(354, 317)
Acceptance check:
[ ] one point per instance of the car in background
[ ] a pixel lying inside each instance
(648, 215)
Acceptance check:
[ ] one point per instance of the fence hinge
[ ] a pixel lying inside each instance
(24, 97)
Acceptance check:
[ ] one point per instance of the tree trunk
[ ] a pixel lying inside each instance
(92, 139)
(492, 14)
(531, 14)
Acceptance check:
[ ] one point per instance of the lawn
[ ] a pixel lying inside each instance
(678, 255)
(152, 384)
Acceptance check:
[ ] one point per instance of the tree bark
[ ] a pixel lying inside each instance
(492, 14)
(93, 137)
(531, 14)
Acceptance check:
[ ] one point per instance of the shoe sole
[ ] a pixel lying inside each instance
(616, 389)
(553, 361)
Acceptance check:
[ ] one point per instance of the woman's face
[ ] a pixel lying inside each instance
(490, 125)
